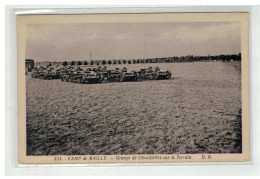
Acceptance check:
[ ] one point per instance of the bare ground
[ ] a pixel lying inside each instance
(197, 111)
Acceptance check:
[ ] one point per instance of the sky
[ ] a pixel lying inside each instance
(60, 42)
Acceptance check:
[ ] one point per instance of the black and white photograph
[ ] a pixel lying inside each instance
(144, 88)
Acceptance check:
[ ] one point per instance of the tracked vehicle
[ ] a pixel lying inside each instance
(100, 71)
(154, 74)
(114, 75)
(85, 76)
(65, 73)
(51, 73)
(41, 73)
(121, 75)
(129, 75)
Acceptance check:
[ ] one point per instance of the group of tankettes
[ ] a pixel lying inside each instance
(98, 74)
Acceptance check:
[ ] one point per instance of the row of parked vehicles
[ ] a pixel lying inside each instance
(99, 74)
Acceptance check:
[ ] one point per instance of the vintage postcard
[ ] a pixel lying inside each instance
(133, 88)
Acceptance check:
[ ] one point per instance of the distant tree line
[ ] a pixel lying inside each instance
(189, 58)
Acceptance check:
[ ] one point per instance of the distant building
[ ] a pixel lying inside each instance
(29, 64)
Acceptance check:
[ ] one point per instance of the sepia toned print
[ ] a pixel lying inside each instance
(133, 88)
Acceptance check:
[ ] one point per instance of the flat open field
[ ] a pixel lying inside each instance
(198, 110)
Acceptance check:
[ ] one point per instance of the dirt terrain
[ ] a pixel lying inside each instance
(198, 110)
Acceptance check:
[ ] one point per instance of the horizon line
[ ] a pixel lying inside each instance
(137, 58)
